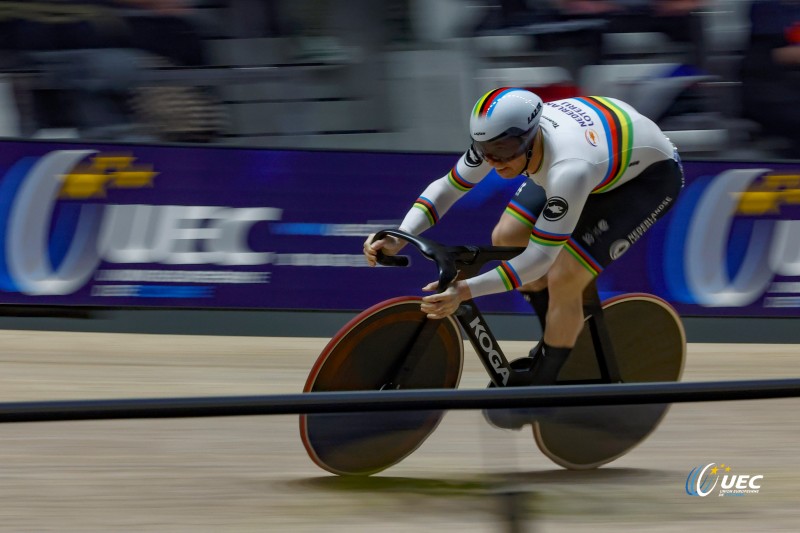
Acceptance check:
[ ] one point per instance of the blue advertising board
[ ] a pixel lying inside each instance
(211, 227)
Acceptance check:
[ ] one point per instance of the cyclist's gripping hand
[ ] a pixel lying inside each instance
(389, 245)
(444, 303)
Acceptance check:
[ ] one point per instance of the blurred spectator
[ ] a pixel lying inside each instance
(330, 31)
(160, 26)
(309, 23)
(170, 113)
(30, 29)
(94, 54)
(163, 27)
(680, 20)
(771, 70)
(398, 17)
(505, 14)
(54, 25)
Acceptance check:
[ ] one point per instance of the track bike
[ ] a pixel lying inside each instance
(393, 345)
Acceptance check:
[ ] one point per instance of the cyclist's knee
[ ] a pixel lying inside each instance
(509, 232)
(537, 285)
(565, 280)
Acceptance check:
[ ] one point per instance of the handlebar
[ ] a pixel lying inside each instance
(450, 260)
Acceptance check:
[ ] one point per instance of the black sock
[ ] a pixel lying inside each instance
(539, 300)
(548, 364)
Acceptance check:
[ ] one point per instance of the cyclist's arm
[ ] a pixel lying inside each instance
(440, 195)
(572, 181)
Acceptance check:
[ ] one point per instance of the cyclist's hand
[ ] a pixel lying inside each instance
(444, 303)
(389, 245)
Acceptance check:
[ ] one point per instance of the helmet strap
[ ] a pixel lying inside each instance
(528, 157)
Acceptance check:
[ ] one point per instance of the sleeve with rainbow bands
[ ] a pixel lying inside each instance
(573, 182)
(440, 195)
(531, 264)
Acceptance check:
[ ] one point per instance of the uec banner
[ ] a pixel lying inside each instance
(164, 226)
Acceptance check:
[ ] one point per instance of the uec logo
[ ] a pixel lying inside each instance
(720, 253)
(702, 480)
(53, 247)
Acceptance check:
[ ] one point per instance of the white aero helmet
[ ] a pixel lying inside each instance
(504, 122)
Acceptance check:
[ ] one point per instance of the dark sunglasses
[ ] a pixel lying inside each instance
(501, 150)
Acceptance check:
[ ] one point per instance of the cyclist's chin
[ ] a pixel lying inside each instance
(507, 171)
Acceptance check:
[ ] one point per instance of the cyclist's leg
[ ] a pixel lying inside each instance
(610, 223)
(514, 229)
(566, 281)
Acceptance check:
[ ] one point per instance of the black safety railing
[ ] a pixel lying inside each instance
(403, 400)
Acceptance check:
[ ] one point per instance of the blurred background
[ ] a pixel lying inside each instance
(721, 77)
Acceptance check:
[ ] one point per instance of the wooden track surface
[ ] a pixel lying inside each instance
(248, 474)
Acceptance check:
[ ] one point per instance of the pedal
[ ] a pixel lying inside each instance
(535, 351)
(514, 418)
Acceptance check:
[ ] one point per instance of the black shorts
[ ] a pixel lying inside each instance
(612, 221)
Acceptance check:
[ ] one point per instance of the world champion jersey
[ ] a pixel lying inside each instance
(591, 145)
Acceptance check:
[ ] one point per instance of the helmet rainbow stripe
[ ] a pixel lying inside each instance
(484, 105)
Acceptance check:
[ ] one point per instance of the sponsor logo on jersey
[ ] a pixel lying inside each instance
(555, 209)
(648, 222)
(590, 237)
(551, 121)
(472, 159)
(618, 248)
(592, 137)
(577, 113)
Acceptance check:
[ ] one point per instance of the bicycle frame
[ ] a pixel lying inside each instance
(393, 345)
(496, 364)
(466, 262)
(486, 346)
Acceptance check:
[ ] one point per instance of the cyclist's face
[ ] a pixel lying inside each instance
(506, 155)
(508, 169)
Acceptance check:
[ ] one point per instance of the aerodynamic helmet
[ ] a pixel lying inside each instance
(504, 122)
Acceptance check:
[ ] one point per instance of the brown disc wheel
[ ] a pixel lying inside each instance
(366, 355)
(650, 345)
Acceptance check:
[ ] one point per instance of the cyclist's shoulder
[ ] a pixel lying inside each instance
(595, 104)
(570, 169)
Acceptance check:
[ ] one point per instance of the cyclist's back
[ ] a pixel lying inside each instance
(603, 137)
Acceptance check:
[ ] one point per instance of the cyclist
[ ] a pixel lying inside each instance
(599, 175)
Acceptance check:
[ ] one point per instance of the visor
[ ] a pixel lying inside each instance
(505, 148)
